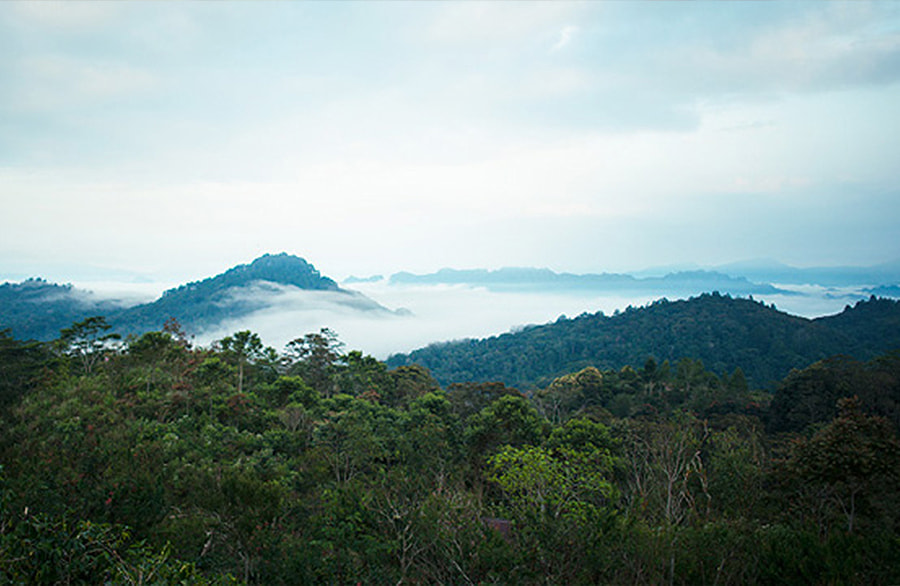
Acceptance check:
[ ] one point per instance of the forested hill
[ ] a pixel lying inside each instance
(36, 309)
(281, 268)
(236, 292)
(723, 332)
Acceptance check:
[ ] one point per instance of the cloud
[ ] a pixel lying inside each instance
(289, 313)
(444, 313)
(57, 83)
(823, 48)
(497, 22)
(66, 15)
(371, 137)
(565, 37)
(439, 313)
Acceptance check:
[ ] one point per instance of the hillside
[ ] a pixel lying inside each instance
(37, 310)
(723, 332)
(238, 291)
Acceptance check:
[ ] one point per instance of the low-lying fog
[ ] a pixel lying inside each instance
(436, 312)
(126, 293)
(444, 312)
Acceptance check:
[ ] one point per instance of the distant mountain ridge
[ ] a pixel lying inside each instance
(771, 271)
(36, 309)
(286, 285)
(511, 279)
(754, 277)
(723, 332)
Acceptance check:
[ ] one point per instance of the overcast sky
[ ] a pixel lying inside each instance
(179, 139)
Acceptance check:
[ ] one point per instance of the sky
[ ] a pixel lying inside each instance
(174, 140)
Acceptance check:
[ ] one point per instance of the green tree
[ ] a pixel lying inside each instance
(21, 363)
(242, 348)
(571, 393)
(736, 466)
(560, 497)
(353, 436)
(87, 341)
(363, 375)
(854, 463)
(510, 420)
(431, 441)
(314, 357)
(810, 395)
(409, 383)
(468, 399)
(557, 483)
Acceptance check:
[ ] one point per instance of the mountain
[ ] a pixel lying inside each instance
(38, 310)
(752, 277)
(892, 291)
(725, 333)
(353, 280)
(771, 271)
(238, 291)
(542, 280)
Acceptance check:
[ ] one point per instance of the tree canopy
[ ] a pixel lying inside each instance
(151, 460)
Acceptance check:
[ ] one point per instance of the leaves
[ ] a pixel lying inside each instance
(165, 464)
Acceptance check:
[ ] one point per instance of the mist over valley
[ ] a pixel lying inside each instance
(282, 297)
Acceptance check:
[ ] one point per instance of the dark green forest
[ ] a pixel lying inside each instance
(724, 332)
(147, 460)
(37, 309)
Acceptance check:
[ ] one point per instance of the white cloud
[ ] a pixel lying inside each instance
(67, 15)
(565, 37)
(834, 46)
(55, 83)
(444, 313)
(492, 22)
(448, 131)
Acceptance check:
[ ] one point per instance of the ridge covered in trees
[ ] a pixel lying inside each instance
(37, 309)
(723, 332)
(149, 460)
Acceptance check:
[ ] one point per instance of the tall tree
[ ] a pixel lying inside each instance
(87, 341)
(314, 357)
(854, 462)
(243, 347)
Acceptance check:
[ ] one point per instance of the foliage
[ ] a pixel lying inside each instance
(87, 341)
(159, 462)
(21, 365)
(722, 332)
(810, 396)
(854, 464)
(36, 309)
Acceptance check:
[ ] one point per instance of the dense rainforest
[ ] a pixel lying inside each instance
(722, 331)
(148, 460)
